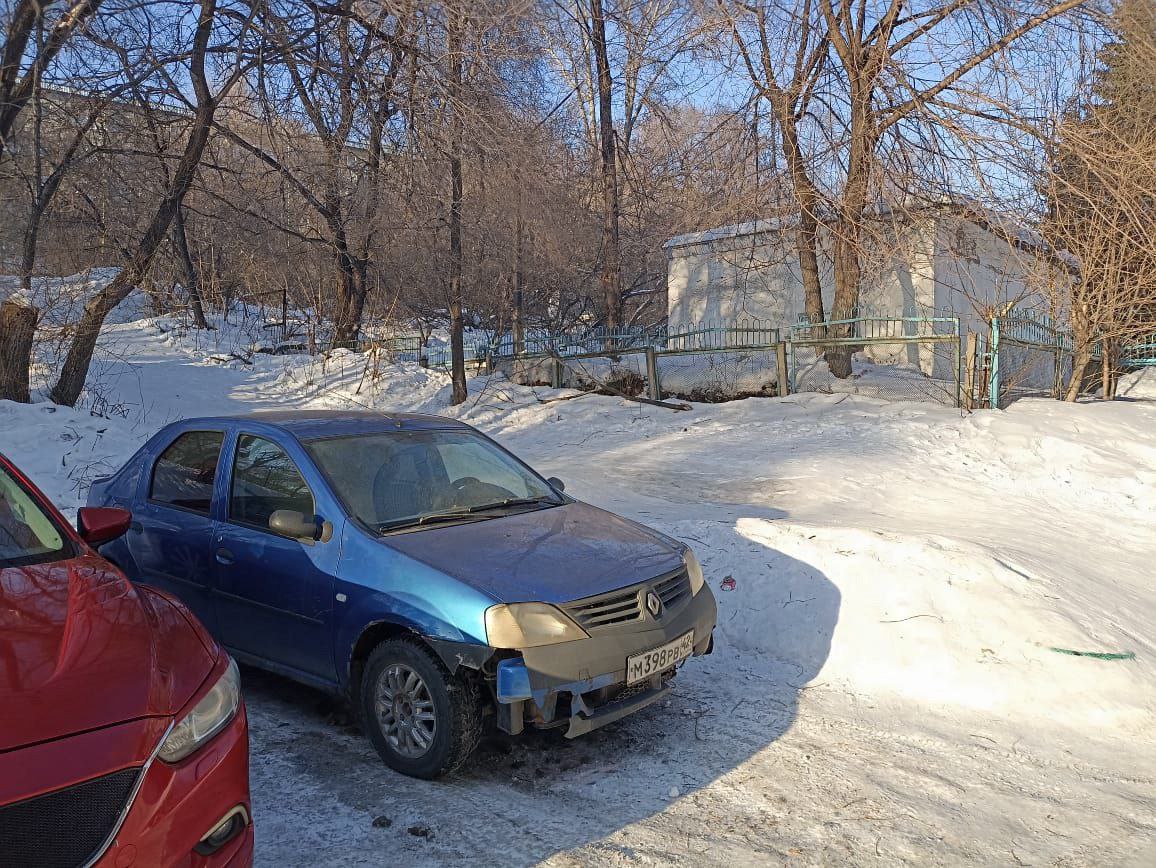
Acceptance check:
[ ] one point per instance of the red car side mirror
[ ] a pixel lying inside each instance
(101, 524)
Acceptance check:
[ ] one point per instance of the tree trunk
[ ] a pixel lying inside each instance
(351, 290)
(611, 279)
(519, 280)
(192, 279)
(1081, 362)
(348, 328)
(807, 237)
(74, 371)
(17, 331)
(846, 301)
(457, 346)
(847, 248)
(1107, 371)
(807, 246)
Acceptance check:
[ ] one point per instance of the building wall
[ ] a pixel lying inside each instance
(752, 274)
(978, 272)
(948, 266)
(730, 279)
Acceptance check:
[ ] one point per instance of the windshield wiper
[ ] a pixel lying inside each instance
(513, 501)
(468, 513)
(432, 518)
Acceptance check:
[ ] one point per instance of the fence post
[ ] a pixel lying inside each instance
(1058, 372)
(781, 368)
(654, 387)
(556, 378)
(969, 371)
(993, 376)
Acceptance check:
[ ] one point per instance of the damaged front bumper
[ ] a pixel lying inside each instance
(582, 684)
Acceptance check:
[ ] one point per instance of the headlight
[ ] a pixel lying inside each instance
(528, 625)
(694, 570)
(207, 718)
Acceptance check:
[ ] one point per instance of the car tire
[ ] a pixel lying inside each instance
(403, 684)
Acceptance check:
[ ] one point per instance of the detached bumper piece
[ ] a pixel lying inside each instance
(584, 705)
(626, 703)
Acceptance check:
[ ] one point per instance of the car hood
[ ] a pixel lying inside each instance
(81, 648)
(552, 555)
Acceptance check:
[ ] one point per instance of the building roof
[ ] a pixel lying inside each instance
(1002, 226)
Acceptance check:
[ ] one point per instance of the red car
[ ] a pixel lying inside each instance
(123, 738)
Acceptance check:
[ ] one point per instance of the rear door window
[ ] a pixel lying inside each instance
(265, 479)
(184, 474)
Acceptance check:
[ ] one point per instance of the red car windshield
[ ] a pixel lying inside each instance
(28, 535)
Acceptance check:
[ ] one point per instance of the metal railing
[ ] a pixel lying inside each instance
(898, 357)
(1141, 354)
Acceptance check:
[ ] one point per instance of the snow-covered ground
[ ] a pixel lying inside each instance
(884, 687)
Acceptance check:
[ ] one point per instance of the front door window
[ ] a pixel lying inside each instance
(265, 480)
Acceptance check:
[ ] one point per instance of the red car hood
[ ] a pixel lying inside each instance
(81, 648)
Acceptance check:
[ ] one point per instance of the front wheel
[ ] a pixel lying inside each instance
(423, 721)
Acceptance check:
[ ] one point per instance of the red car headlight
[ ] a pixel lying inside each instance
(208, 717)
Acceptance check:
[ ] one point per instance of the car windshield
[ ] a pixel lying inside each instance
(406, 478)
(28, 534)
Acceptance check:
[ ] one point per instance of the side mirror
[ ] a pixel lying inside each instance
(556, 483)
(101, 524)
(298, 525)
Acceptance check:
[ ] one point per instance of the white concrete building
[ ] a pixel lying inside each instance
(942, 264)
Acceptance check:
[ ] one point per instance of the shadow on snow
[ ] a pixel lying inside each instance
(319, 787)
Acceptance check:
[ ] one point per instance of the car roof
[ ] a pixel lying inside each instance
(316, 424)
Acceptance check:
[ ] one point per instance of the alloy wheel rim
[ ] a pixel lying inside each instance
(405, 711)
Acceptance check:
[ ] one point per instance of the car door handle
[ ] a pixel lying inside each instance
(224, 556)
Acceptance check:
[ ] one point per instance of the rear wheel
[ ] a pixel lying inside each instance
(423, 721)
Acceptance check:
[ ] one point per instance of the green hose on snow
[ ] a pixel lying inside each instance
(1099, 655)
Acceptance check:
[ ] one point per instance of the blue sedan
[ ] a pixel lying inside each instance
(415, 566)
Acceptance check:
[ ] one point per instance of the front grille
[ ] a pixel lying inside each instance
(622, 607)
(672, 590)
(616, 608)
(65, 828)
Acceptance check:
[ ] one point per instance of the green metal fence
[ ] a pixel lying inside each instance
(892, 357)
(1028, 354)
(1141, 353)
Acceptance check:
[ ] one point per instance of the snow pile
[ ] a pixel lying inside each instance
(61, 300)
(931, 623)
(1138, 384)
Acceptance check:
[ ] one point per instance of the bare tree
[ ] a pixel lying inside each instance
(619, 60)
(1101, 190)
(325, 110)
(74, 370)
(847, 79)
(19, 315)
(24, 57)
(455, 25)
(611, 279)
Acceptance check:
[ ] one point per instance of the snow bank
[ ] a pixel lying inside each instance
(927, 622)
(61, 300)
(1138, 384)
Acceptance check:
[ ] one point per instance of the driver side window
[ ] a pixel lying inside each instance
(471, 462)
(265, 479)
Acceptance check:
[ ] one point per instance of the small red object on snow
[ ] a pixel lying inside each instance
(728, 584)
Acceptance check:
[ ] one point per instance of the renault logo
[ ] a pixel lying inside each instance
(653, 603)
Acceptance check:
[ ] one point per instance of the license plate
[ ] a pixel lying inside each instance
(639, 667)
